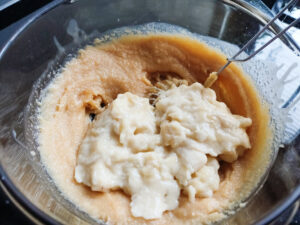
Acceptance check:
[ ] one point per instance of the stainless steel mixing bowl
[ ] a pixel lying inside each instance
(32, 49)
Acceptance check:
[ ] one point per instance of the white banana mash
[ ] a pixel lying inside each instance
(154, 152)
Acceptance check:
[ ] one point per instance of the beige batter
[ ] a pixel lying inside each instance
(131, 63)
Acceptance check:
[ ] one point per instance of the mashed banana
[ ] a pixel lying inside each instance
(124, 150)
(90, 85)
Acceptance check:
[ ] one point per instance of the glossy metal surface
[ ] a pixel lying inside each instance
(253, 39)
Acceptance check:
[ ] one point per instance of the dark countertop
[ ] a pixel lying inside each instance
(10, 215)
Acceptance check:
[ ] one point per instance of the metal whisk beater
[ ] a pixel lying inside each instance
(214, 75)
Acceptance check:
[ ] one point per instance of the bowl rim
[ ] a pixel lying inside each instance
(36, 215)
